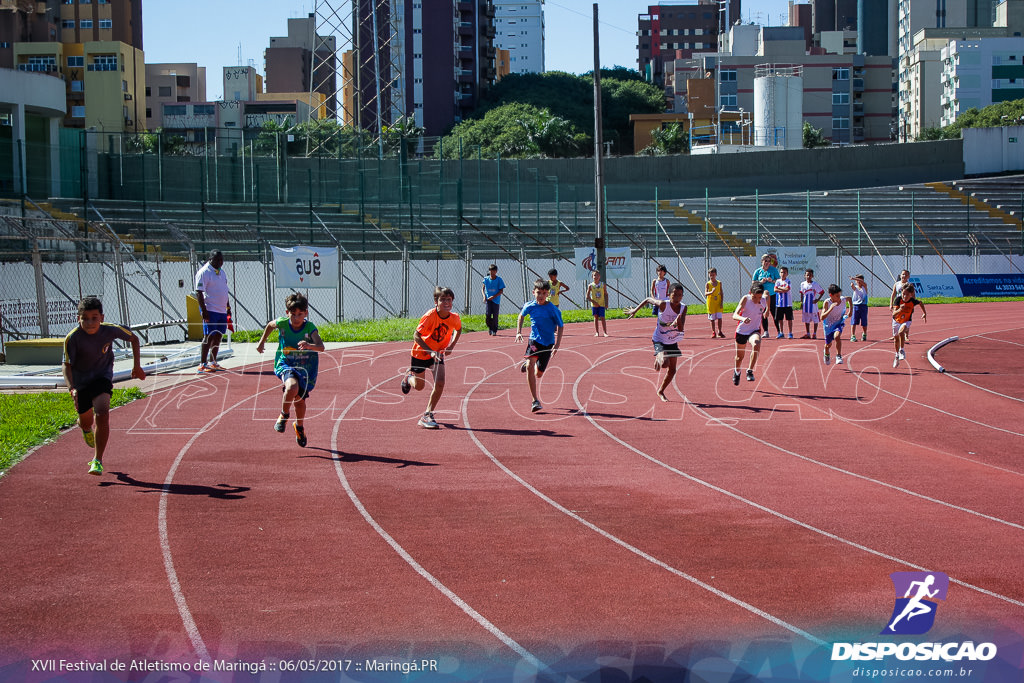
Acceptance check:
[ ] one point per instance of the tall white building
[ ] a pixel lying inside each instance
(977, 73)
(519, 28)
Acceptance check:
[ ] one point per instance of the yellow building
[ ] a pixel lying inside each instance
(105, 81)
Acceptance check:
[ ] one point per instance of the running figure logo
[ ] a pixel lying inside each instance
(915, 608)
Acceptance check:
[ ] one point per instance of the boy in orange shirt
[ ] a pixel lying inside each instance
(435, 337)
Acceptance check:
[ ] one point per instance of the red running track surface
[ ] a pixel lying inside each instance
(610, 522)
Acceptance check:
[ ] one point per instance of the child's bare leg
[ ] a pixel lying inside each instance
(102, 432)
(435, 393)
(531, 379)
(291, 390)
(712, 328)
(755, 350)
(739, 357)
(659, 360)
(300, 409)
(597, 329)
(669, 374)
(839, 343)
(417, 382)
(604, 325)
(815, 333)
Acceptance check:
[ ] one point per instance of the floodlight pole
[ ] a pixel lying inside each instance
(599, 245)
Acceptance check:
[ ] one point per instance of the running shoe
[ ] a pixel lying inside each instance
(750, 375)
(282, 419)
(853, 338)
(736, 377)
(90, 438)
(405, 385)
(839, 359)
(95, 467)
(790, 335)
(300, 434)
(896, 361)
(903, 354)
(828, 360)
(428, 421)
(536, 406)
(216, 367)
(203, 369)
(721, 335)
(779, 335)
(864, 337)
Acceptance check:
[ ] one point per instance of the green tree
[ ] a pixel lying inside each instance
(1009, 113)
(515, 131)
(670, 139)
(813, 137)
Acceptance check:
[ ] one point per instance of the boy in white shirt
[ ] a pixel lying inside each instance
(810, 294)
(833, 319)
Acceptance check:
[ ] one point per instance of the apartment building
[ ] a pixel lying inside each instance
(303, 62)
(978, 73)
(172, 84)
(519, 28)
(678, 31)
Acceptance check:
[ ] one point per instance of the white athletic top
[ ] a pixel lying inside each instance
(665, 331)
(661, 289)
(836, 314)
(214, 286)
(753, 311)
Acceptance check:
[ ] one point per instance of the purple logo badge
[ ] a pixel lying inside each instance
(916, 595)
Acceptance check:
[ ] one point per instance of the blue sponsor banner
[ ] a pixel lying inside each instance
(1011, 284)
(926, 286)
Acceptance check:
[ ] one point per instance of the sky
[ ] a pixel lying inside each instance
(219, 33)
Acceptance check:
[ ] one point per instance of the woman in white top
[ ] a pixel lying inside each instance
(750, 311)
(668, 331)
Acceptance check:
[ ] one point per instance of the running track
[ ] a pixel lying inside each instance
(608, 530)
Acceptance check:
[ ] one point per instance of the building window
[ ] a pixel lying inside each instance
(164, 91)
(149, 113)
(85, 23)
(840, 73)
(840, 98)
(4, 43)
(67, 23)
(175, 110)
(106, 23)
(202, 109)
(728, 75)
(840, 123)
(103, 63)
(148, 91)
(725, 101)
(77, 86)
(76, 61)
(78, 111)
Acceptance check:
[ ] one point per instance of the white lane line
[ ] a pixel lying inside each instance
(436, 583)
(620, 542)
(770, 511)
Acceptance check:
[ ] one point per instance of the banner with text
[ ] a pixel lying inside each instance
(989, 284)
(618, 261)
(305, 267)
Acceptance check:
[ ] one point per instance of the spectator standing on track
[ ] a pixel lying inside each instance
(767, 274)
(715, 301)
(545, 336)
(212, 294)
(296, 362)
(492, 288)
(749, 313)
(597, 297)
(859, 301)
(783, 302)
(668, 332)
(897, 288)
(89, 373)
(435, 337)
(902, 313)
(557, 286)
(834, 313)
(810, 294)
(659, 287)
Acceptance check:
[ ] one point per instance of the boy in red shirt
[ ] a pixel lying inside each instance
(435, 337)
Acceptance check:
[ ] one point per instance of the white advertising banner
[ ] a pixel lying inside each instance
(797, 259)
(305, 267)
(935, 285)
(618, 261)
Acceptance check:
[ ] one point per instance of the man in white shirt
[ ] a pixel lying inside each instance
(212, 294)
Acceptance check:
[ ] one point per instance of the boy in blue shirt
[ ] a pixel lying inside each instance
(296, 361)
(545, 336)
(492, 288)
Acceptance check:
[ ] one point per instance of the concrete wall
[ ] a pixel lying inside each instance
(990, 150)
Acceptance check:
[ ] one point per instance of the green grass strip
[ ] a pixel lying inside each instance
(33, 419)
